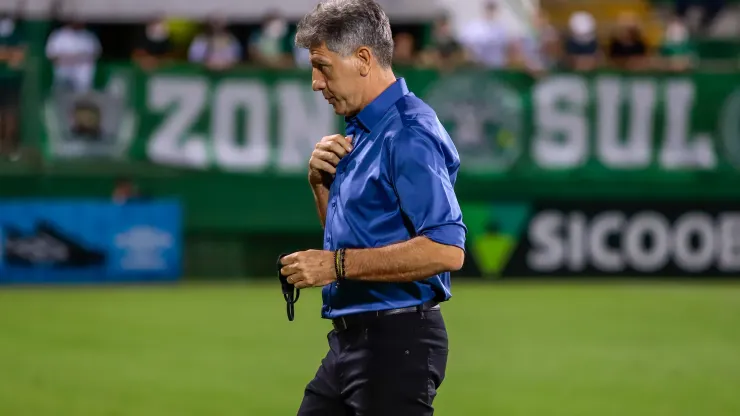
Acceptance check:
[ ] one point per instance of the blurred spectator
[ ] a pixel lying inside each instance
(445, 51)
(627, 47)
(403, 50)
(581, 45)
(74, 52)
(182, 31)
(216, 47)
(155, 46)
(124, 191)
(540, 49)
(272, 45)
(677, 49)
(487, 40)
(710, 9)
(12, 48)
(12, 54)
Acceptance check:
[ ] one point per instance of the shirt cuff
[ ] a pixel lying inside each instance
(450, 234)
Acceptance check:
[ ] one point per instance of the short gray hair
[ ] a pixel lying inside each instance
(345, 25)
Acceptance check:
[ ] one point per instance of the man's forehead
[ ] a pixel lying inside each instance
(320, 53)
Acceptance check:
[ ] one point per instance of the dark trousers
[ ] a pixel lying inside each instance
(391, 366)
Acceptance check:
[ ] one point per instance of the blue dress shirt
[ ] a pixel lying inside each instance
(396, 184)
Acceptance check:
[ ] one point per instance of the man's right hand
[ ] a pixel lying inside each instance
(325, 157)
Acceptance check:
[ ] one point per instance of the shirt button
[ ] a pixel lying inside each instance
(334, 204)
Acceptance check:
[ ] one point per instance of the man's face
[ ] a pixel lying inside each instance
(157, 29)
(490, 10)
(541, 20)
(443, 27)
(338, 78)
(217, 25)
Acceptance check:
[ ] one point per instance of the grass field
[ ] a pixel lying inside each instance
(536, 349)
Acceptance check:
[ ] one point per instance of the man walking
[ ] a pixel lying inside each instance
(393, 228)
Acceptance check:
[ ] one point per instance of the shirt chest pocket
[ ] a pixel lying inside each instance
(365, 194)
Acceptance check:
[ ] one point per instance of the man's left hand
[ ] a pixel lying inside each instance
(311, 268)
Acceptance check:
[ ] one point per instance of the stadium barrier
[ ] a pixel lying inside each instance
(78, 241)
(556, 239)
(233, 148)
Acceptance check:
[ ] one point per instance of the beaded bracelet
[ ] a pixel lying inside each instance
(339, 264)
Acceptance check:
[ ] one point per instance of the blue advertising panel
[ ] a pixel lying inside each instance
(81, 241)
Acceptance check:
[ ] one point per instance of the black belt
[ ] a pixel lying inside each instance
(358, 319)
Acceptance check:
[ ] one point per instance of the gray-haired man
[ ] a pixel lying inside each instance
(393, 230)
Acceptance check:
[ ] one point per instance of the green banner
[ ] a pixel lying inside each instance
(602, 125)
(240, 141)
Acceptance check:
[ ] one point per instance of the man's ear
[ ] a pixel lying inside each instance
(364, 58)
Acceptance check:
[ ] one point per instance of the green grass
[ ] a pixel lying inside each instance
(617, 349)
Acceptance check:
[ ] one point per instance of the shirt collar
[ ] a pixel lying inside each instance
(374, 112)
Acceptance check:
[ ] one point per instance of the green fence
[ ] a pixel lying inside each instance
(234, 146)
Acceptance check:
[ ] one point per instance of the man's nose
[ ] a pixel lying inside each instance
(318, 84)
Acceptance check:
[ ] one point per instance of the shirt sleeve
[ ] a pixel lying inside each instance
(422, 182)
